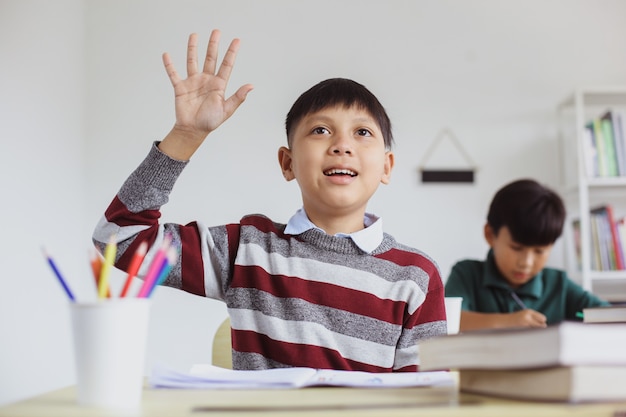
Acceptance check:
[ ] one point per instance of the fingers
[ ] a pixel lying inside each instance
(210, 61)
(538, 319)
(229, 60)
(169, 69)
(236, 99)
(192, 55)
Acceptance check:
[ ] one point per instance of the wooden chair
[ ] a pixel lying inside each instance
(222, 348)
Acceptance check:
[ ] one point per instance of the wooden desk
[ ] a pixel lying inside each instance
(327, 402)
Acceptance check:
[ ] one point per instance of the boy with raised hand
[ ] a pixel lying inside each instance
(329, 289)
(512, 287)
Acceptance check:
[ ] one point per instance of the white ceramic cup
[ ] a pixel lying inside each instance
(453, 313)
(109, 349)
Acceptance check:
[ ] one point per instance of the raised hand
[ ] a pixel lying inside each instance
(200, 100)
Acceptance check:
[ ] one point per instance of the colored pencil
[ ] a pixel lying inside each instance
(155, 267)
(57, 273)
(172, 257)
(96, 266)
(133, 268)
(109, 258)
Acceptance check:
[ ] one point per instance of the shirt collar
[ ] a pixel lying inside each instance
(493, 278)
(367, 239)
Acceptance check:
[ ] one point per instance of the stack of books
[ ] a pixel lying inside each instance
(571, 361)
(613, 314)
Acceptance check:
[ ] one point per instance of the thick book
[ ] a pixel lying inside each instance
(564, 344)
(205, 376)
(611, 314)
(566, 384)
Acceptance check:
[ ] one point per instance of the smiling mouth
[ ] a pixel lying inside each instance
(332, 172)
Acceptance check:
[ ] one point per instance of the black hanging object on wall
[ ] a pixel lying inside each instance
(447, 175)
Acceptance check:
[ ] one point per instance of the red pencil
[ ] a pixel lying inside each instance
(135, 263)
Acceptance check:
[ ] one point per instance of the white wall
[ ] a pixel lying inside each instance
(490, 70)
(42, 175)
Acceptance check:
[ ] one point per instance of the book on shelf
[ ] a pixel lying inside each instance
(610, 157)
(612, 128)
(565, 344)
(590, 152)
(598, 140)
(599, 259)
(562, 383)
(611, 314)
(620, 225)
(604, 145)
(607, 239)
(206, 376)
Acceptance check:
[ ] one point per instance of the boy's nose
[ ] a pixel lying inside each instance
(341, 149)
(341, 145)
(525, 259)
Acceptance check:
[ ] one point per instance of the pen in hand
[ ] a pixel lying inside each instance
(518, 300)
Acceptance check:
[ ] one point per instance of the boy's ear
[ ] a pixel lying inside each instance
(284, 159)
(389, 161)
(489, 234)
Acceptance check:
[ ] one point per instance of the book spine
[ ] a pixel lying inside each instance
(615, 238)
(611, 155)
(620, 141)
(600, 148)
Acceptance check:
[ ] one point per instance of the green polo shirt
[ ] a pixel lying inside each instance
(550, 292)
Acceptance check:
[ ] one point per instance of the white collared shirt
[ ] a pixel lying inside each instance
(367, 239)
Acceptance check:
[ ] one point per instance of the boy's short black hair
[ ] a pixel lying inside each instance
(533, 213)
(338, 91)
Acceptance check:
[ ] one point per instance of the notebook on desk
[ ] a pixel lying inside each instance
(205, 376)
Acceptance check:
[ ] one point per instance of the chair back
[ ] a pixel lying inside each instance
(222, 347)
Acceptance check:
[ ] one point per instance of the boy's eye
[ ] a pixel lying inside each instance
(363, 132)
(320, 131)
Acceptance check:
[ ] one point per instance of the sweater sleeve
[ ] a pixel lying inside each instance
(133, 217)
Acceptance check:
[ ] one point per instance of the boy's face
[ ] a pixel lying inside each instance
(338, 157)
(516, 262)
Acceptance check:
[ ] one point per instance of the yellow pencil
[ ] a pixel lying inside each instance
(109, 258)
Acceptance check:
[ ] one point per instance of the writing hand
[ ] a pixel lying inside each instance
(528, 318)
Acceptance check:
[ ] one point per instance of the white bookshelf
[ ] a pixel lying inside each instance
(582, 192)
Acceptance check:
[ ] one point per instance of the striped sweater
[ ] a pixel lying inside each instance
(311, 300)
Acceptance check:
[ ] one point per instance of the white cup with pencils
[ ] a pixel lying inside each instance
(110, 334)
(109, 350)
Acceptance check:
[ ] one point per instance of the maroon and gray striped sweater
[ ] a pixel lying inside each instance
(311, 300)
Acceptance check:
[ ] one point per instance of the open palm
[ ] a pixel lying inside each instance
(200, 100)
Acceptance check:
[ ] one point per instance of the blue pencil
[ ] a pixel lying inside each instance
(518, 300)
(59, 276)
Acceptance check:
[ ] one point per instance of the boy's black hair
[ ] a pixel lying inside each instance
(533, 213)
(339, 91)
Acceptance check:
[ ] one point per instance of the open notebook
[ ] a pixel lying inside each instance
(204, 376)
